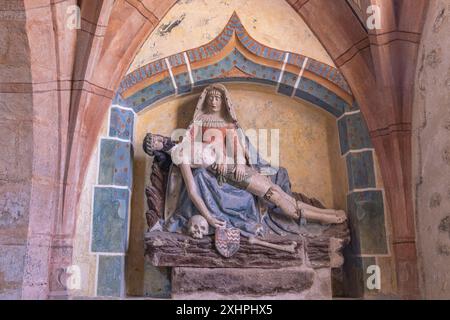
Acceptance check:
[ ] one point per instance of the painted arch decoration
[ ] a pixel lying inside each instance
(233, 56)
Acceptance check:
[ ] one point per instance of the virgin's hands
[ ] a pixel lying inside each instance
(216, 223)
(239, 172)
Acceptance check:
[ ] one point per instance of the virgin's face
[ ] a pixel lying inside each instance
(214, 102)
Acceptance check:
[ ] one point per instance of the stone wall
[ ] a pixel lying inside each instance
(16, 140)
(431, 152)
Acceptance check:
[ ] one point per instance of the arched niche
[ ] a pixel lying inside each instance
(233, 58)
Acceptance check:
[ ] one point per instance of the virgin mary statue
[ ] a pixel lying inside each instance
(226, 181)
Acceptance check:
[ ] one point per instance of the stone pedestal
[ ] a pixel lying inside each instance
(255, 271)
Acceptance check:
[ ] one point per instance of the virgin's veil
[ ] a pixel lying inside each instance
(249, 151)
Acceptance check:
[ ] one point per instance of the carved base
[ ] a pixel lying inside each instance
(318, 248)
(254, 272)
(176, 250)
(243, 283)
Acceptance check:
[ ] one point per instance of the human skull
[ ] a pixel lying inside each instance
(197, 227)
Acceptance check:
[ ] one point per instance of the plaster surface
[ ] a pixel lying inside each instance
(431, 153)
(192, 23)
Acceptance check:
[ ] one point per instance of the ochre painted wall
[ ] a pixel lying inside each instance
(309, 146)
(309, 149)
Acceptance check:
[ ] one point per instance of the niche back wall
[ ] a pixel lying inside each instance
(309, 150)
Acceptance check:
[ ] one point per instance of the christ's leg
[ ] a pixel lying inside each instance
(262, 186)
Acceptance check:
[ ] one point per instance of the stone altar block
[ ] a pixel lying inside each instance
(254, 272)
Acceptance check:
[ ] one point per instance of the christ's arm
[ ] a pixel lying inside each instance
(191, 187)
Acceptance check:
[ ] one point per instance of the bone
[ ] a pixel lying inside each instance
(287, 248)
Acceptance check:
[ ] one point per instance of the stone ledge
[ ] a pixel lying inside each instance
(254, 283)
